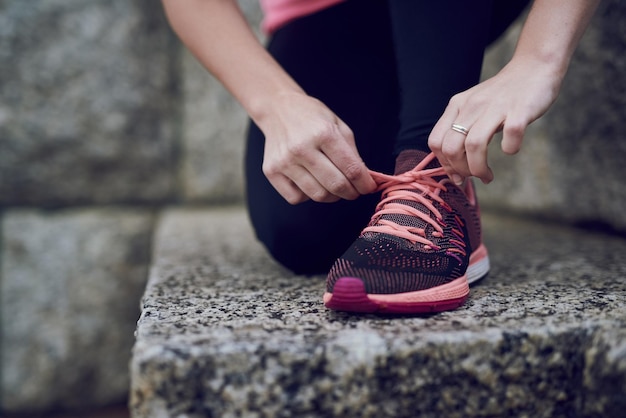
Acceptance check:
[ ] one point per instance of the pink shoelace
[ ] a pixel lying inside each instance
(404, 187)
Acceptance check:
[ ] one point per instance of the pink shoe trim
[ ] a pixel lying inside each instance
(349, 293)
(478, 254)
(457, 288)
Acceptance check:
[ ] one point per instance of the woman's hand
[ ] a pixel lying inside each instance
(310, 153)
(518, 95)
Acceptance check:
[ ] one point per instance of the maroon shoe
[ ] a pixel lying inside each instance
(421, 249)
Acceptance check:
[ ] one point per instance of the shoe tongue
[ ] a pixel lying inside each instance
(408, 159)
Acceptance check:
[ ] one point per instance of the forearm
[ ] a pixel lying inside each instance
(552, 32)
(219, 36)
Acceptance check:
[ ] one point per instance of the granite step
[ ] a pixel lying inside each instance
(227, 332)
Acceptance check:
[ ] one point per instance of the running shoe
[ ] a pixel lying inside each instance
(421, 249)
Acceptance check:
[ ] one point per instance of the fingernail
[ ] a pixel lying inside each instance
(458, 180)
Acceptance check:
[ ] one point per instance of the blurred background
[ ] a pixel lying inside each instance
(105, 119)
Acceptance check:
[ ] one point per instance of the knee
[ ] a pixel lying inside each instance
(308, 238)
(296, 248)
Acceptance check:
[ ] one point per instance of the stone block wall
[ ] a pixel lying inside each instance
(88, 103)
(71, 284)
(105, 118)
(211, 131)
(89, 107)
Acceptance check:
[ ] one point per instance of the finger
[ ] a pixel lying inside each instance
(327, 175)
(453, 149)
(477, 147)
(331, 179)
(342, 153)
(446, 144)
(287, 189)
(513, 134)
(307, 182)
(282, 184)
(441, 128)
(296, 185)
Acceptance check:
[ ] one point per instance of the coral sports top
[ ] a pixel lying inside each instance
(279, 12)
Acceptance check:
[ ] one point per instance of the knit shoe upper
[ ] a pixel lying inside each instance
(417, 246)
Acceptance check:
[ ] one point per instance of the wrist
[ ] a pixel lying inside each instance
(550, 62)
(263, 106)
(550, 67)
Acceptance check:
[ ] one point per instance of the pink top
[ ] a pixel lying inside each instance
(279, 12)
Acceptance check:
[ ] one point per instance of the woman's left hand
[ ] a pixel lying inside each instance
(518, 95)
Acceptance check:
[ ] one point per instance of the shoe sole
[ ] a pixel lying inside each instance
(349, 293)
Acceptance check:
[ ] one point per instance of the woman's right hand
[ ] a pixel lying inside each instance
(310, 153)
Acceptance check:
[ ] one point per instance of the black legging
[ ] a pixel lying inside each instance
(388, 71)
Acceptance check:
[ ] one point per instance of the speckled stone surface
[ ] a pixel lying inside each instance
(227, 332)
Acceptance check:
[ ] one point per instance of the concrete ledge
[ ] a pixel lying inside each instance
(226, 332)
